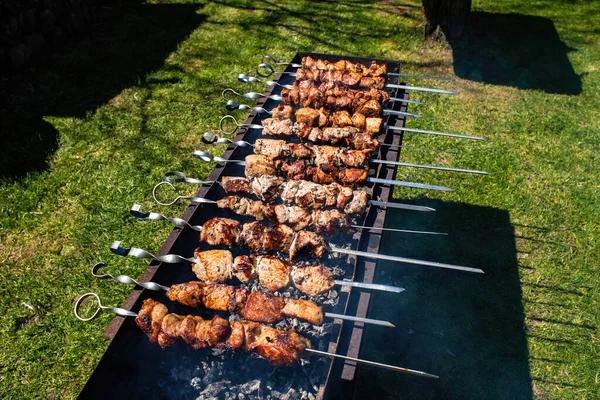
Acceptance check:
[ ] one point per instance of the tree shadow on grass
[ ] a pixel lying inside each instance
(467, 328)
(125, 43)
(522, 51)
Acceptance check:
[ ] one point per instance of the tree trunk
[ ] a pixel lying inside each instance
(449, 16)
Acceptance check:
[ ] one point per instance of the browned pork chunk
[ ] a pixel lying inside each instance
(189, 293)
(243, 268)
(282, 348)
(277, 127)
(273, 273)
(303, 309)
(213, 266)
(313, 279)
(308, 244)
(220, 231)
(263, 307)
(235, 184)
(150, 318)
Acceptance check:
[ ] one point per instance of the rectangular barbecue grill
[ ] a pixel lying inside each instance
(131, 365)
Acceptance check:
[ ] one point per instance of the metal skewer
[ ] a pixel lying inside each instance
(135, 212)
(174, 259)
(394, 128)
(270, 68)
(176, 176)
(212, 138)
(247, 79)
(157, 287)
(276, 97)
(128, 313)
(204, 156)
(232, 105)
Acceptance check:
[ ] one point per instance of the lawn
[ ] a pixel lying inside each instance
(94, 127)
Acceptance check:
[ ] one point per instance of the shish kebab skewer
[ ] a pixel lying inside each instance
(237, 125)
(316, 152)
(251, 79)
(245, 78)
(257, 165)
(254, 306)
(303, 193)
(266, 70)
(273, 273)
(294, 65)
(260, 238)
(166, 329)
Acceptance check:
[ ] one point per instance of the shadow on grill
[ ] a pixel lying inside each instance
(522, 51)
(467, 328)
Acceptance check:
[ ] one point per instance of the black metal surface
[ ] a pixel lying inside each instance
(132, 365)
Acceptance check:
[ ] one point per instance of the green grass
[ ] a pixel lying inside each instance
(109, 114)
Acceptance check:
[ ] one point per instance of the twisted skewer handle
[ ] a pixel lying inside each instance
(126, 279)
(251, 79)
(211, 138)
(236, 125)
(204, 156)
(275, 62)
(250, 95)
(233, 105)
(193, 199)
(140, 253)
(270, 71)
(119, 311)
(135, 211)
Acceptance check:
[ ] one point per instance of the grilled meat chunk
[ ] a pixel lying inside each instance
(263, 307)
(303, 309)
(150, 318)
(247, 207)
(267, 187)
(213, 266)
(307, 244)
(189, 294)
(235, 184)
(297, 217)
(201, 334)
(358, 203)
(243, 268)
(280, 347)
(371, 108)
(224, 297)
(220, 231)
(259, 165)
(312, 279)
(259, 237)
(373, 125)
(273, 273)
(308, 116)
(170, 330)
(270, 147)
(283, 112)
(237, 335)
(278, 127)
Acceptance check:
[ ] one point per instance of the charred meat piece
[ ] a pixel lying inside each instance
(313, 279)
(303, 309)
(273, 273)
(263, 307)
(308, 116)
(373, 125)
(377, 82)
(359, 121)
(277, 127)
(270, 147)
(296, 170)
(297, 217)
(267, 187)
(282, 348)
(364, 141)
(189, 294)
(235, 184)
(224, 297)
(358, 203)
(247, 207)
(282, 112)
(243, 268)
(237, 335)
(220, 231)
(307, 244)
(170, 330)
(213, 266)
(259, 165)
(201, 334)
(342, 119)
(150, 318)
(260, 238)
(353, 176)
(371, 108)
